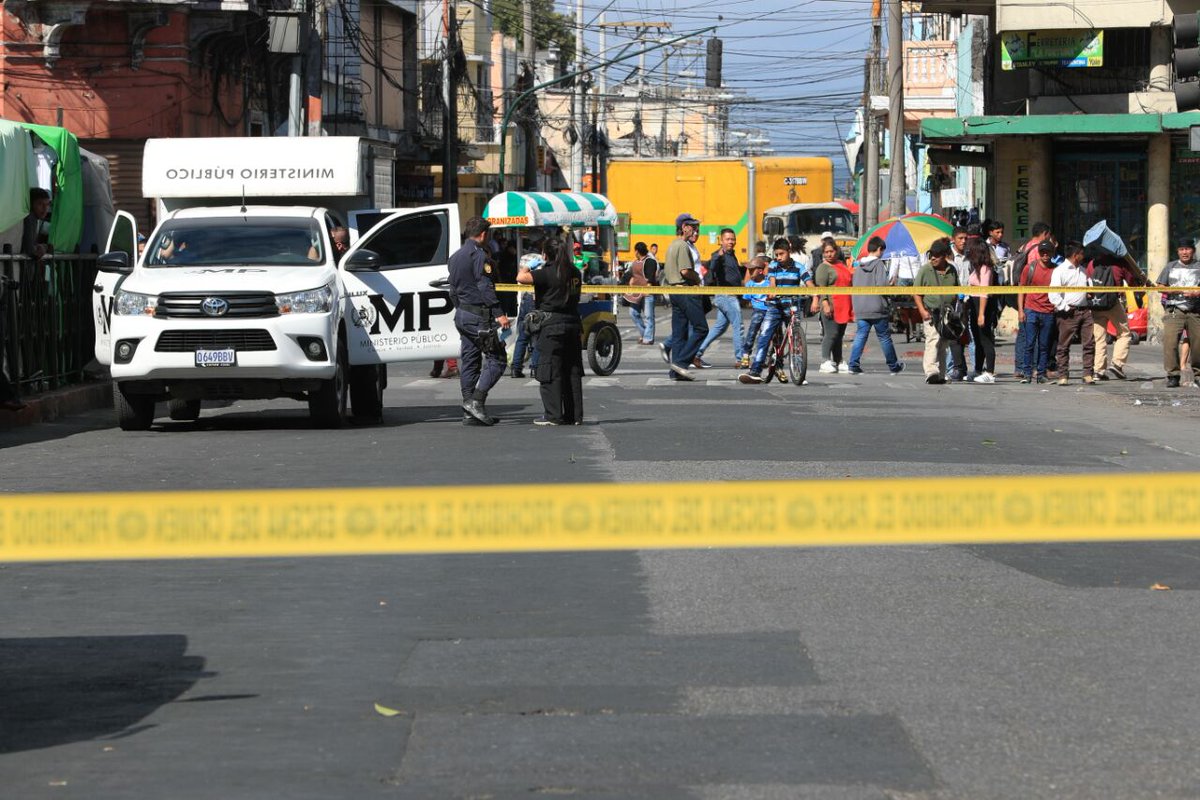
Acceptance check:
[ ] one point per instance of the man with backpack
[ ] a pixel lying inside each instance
(643, 271)
(1036, 315)
(1108, 307)
(1025, 254)
(943, 328)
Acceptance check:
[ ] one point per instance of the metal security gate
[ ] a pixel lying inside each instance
(1089, 187)
(1185, 190)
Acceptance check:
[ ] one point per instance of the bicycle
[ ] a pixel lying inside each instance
(788, 347)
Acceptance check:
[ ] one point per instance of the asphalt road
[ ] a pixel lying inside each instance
(1046, 671)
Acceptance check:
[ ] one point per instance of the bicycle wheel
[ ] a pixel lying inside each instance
(773, 362)
(799, 352)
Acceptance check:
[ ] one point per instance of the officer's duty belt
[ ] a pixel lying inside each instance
(478, 311)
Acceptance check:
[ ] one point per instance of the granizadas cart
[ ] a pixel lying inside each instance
(533, 216)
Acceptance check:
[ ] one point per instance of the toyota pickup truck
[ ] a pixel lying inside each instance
(251, 302)
(248, 299)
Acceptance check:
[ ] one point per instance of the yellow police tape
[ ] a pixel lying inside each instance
(567, 517)
(612, 288)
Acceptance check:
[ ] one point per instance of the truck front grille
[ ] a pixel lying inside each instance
(187, 341)
(241, 304)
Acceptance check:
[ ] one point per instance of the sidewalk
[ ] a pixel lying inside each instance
(52, 405)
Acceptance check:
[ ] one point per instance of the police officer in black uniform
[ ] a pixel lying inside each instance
(476, 309)
(560, 360)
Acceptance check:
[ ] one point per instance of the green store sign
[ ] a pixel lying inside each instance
(1051, 49)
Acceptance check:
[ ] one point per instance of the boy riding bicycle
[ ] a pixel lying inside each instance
(756, 278)
(784, 272)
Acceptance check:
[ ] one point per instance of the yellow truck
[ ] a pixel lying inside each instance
(720, 192)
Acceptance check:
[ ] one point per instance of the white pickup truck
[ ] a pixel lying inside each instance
(809, 221)
(251, 301)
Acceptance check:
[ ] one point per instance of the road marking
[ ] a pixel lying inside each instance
(571, 517)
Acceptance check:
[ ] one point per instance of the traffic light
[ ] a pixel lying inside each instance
(712, 65)
(1187, 61)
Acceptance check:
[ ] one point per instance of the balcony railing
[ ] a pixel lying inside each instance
(929, 68)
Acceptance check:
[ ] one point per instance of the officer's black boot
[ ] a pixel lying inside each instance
(474, 407)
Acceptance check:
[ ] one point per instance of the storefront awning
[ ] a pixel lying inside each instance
(982, 128)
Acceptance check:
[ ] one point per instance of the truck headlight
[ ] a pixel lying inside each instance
(313, 301)
(132, 304)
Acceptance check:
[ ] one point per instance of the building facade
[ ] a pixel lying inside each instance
(119, 74)
(1078, 122)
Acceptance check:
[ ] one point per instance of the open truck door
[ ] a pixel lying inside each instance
(122, 238)
(363, 220)
(393, 313)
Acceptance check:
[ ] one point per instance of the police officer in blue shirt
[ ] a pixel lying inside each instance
(475, 308)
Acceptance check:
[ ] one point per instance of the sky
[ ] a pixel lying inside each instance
(800, 64)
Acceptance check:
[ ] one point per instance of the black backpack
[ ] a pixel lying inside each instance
(1102, 275)
(1021, 261)
(952, 319)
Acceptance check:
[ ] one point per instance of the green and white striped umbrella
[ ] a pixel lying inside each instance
(536, 209)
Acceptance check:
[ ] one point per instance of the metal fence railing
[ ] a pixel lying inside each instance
(46, 311)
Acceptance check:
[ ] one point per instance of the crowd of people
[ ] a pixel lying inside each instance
(959, 329)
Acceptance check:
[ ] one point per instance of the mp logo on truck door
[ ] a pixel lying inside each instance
(412, 312)
(393, 311)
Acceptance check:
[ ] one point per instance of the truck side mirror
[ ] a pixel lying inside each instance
(116, 262)
(363, 261)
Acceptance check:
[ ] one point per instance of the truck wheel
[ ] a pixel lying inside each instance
(366, 392)
(1134, 338)
(135, 412)
(604, 349)
(184, 410)
(327, 405)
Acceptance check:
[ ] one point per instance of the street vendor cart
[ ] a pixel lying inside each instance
(533, 216)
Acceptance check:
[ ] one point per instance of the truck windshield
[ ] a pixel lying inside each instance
(819, 220)
(274, 241)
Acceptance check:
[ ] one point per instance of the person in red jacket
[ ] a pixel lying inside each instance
(837, 311)
(1036, 314)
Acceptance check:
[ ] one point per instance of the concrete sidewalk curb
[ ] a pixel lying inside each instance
(60, 403)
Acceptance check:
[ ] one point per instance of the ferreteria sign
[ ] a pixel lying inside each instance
(1077, 48)
(253, 167)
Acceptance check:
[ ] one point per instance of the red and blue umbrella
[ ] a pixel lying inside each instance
(909, 235)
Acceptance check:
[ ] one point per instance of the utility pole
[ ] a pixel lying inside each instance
(637, 130)
(315, 56)
(530, 133)
(578, 114)
(295, 101)
(896, 106)
(871, 174)
(666, 82)
(450, 106)
(600, 159)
